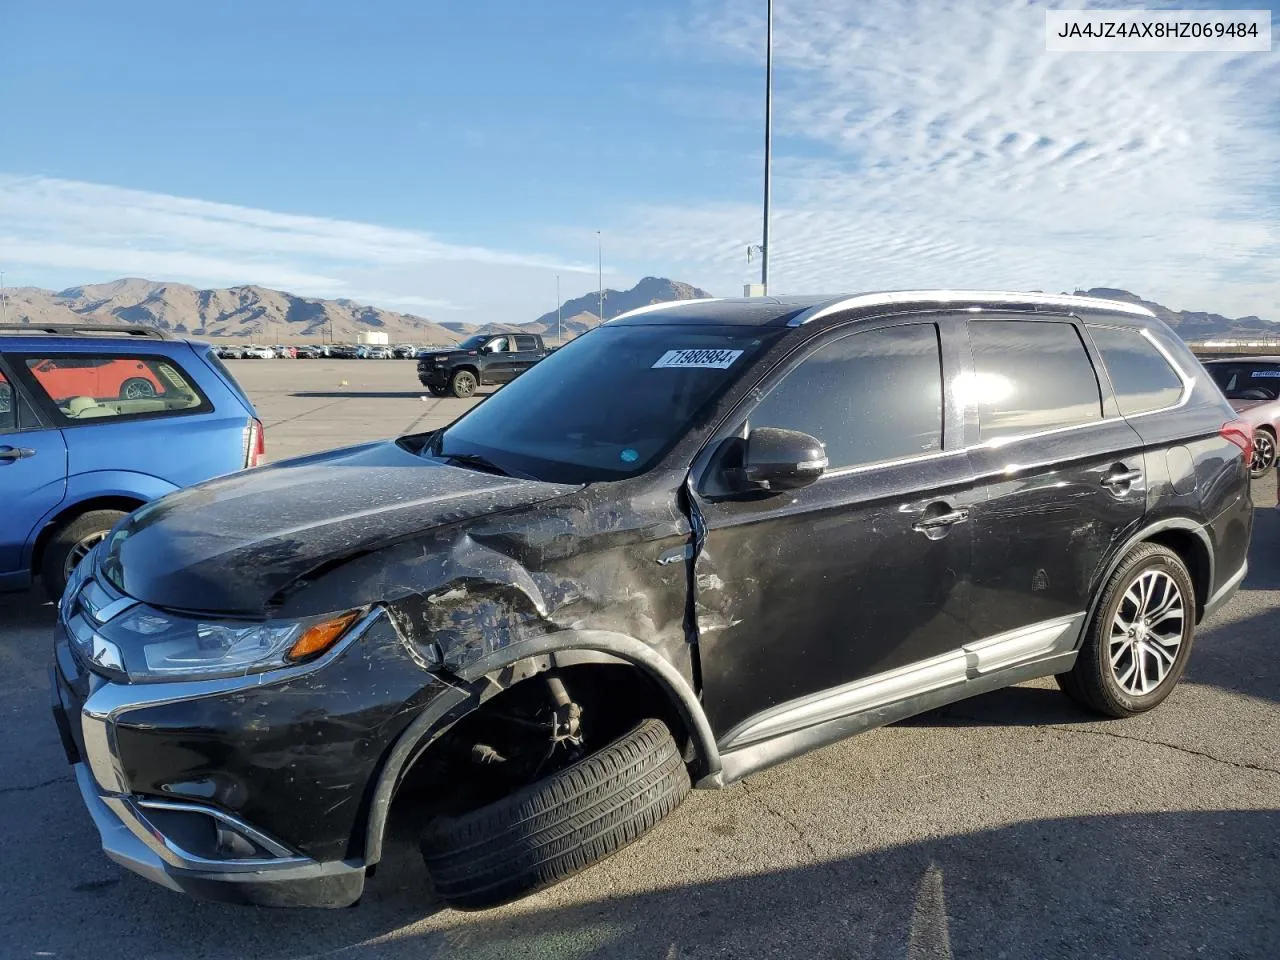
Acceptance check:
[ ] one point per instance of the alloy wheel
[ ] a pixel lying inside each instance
(138, 389)
(1146, 632)
(81, 550)
(1264, 452)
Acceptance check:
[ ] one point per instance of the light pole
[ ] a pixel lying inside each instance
(559, 335)
(768, 144)
(4, 301)
(600, 272)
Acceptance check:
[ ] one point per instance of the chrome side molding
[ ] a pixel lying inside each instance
(973, 661)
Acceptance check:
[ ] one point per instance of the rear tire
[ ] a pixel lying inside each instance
(558, 826)
(69, 543)
(1123, 672)
(463, 384)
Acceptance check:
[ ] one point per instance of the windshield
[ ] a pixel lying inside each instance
(607, 405)
(474, 343)
(1249, 381)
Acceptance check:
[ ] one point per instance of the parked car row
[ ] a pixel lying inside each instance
(311, 351)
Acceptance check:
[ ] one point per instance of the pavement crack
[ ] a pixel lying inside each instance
(778, 814)
(27, 788)
(1238, 764)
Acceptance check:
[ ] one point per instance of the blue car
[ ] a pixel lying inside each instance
(96, 422)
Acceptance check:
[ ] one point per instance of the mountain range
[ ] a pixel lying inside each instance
(253, 311)
(259, 312)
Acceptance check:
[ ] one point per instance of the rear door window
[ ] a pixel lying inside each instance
(1141, 376)
(869, 397)
(83, 387)
(525, 344)
(1030, 375)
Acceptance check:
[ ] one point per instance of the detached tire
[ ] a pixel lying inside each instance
(437, 391)
(552, 829)
(72, 541)
(463, 384)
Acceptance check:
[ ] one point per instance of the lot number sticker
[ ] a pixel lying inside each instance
(706, 359)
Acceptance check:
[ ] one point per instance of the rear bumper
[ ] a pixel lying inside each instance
(1224, 593)
(133, 841)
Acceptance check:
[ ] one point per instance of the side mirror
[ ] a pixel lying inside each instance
(778, 459)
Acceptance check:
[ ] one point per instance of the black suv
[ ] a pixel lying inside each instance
(477, 361)
(701, 539)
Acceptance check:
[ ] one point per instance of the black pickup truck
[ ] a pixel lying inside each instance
(481, 359)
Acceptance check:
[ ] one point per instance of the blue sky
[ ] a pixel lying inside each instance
(452, 159)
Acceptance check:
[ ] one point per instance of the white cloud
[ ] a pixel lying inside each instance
(61, 227)
(936, 143)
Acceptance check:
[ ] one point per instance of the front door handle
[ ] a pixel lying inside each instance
(9, 454)
(940, 521)
(1124, 479)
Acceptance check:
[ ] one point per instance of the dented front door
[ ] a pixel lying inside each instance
(863, 571)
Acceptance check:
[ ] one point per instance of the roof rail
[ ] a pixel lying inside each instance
(84, 330)
(661, 305)
(950, 296)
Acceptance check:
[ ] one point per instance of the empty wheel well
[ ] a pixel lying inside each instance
(507, 741)
(127, 504)
(1195, 555)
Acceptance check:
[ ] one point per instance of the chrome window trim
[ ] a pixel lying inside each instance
(105, 704)
(665, 305)
(980, 658)
(960, 296)
(1188, 385)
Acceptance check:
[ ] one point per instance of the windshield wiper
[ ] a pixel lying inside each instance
(476, 461)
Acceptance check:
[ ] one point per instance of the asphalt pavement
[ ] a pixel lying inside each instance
(1012, 825)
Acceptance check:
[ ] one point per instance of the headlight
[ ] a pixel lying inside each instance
(151, 646)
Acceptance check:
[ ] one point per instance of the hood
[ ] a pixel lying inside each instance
(231, 545)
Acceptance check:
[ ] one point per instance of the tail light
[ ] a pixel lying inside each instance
(255, 443)
(1239, 432)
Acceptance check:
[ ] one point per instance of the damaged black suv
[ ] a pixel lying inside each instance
(701, 539)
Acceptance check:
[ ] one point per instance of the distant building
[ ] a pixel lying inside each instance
(372, 338)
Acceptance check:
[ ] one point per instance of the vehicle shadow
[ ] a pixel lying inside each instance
(1148, 885)
(1164, 884)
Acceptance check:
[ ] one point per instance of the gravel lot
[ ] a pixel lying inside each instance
(1007, 826)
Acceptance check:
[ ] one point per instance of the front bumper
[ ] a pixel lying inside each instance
(133, 841)
(237, 789)
(433, 376)
(152, 837)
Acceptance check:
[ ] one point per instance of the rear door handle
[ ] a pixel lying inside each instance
(16, 453)
(940, 520)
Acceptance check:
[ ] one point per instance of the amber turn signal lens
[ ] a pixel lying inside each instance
(319, 637)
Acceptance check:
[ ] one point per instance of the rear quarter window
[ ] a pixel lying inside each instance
(8, 407)
(85, 387)
(1141, 376)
